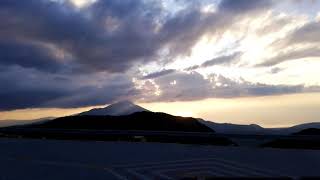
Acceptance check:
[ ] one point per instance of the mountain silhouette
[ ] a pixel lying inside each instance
(146, 120)
(229, 128)
(309, 131)
(117, 109)
(140, 126)
(304, 139)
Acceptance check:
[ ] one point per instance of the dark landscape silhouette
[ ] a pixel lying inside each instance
(304, 139)
(148, 121)
(126, 121)
(141, 125)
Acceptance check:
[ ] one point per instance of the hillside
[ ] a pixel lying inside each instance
(309, 132)
(148, 121)
(139, 126)
(304, 139)
(229, 128)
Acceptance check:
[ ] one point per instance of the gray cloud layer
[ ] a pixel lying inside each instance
(221, 60)
(193, 86)
(55, 55)
(292, 55)
(307, 36)
(158, 74)
(107, 36)
(29, 88)
(215, 61)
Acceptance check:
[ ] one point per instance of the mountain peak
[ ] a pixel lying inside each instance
(117, 109)
(124, 103)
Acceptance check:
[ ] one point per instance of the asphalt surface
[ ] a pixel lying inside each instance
(58, 159)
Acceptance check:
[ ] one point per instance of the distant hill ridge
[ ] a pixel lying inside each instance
(229, 128)
(146, 120)
(309, 131)
(126, 108)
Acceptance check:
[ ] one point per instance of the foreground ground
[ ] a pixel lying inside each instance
(56, 159)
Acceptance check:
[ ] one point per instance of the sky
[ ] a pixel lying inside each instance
(244, 61)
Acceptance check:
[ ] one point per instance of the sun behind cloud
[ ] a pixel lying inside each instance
(82, 3)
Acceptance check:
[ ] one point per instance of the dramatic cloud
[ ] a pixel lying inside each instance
(221, 60)
(28, 88)
(29, 56)
(182, 86)
(225, 59)
(108, 35)
(215, 61)
(241, 6)
(300, 43)
(158, 74)
(309, 33)
(67, 53)
(292, 55)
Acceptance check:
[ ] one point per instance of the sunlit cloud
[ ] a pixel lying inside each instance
(82, 3)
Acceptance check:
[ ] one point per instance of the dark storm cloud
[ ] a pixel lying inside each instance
(111, 35)
(24, 88)
(28, 56)
(95, 95)
(86, 38)
(107, 36)
(29, 88)
(41, 40)
(240, 6)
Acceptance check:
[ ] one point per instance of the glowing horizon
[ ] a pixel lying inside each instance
(267, 111)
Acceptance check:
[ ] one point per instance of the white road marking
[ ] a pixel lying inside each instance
(195, 162)
(115, 174)
(250, 168)
(191, 170)
(138, 175)
(162, 176)
(217, 172)
(215, 166)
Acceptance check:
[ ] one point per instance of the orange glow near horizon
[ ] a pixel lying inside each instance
(268, 111)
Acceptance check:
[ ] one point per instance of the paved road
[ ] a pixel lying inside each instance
(53, 159)
(35, 169)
